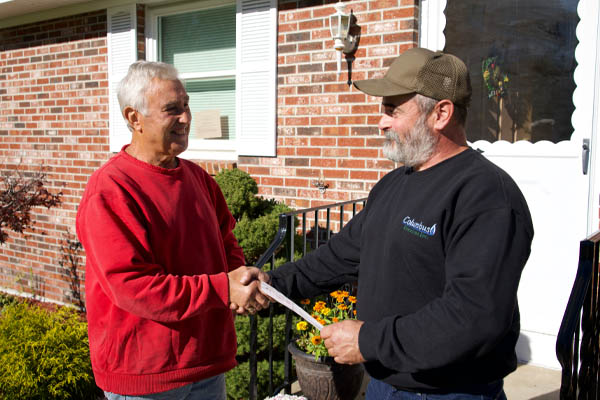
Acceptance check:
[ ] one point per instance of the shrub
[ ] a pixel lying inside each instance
(257, 224)
(19, 193)
(255, 235)
(238, 378)
(7, 299)
(44, 355)
(239, 190)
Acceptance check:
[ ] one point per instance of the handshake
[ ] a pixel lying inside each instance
(244, 290)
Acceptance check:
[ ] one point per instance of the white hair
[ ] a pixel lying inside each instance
(132, 88)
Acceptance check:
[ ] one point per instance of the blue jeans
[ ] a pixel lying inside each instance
(207, 389)
(378, 390)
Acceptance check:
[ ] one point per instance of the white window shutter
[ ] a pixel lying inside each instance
(122, 51)
(257, 77)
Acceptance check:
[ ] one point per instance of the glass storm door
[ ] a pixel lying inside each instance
(533, 68)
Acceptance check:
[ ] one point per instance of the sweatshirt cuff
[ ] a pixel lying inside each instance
(367, 342)
(220, 282)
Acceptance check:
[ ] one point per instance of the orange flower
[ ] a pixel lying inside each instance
(337, 293)
(319, 305)
(305, 301)
(355, 312)
(316, 340)
(335, 319)
(342, 306)
(352, 299)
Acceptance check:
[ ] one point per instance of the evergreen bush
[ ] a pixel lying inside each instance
(44, 355)
(238, 378)
(239, 190)
(257, 224)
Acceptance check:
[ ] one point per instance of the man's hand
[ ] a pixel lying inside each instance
(244, 294)
(341, 340)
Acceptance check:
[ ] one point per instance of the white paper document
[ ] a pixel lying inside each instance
(281, 299)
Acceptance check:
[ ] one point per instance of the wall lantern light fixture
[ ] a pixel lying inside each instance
(339, 24)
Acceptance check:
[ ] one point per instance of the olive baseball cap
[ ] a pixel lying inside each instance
(432, 74)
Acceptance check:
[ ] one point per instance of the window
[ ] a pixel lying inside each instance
(225, 52)
(201, 45)
(521, 61)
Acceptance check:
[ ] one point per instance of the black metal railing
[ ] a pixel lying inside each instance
(580, 359)
(288, 237)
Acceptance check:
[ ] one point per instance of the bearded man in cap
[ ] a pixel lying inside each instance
(438, 250)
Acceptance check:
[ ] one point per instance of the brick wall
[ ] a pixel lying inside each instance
(327, 130)
(54, 112)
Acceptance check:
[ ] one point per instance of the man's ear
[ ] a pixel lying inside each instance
(133, 118)
(443, 112)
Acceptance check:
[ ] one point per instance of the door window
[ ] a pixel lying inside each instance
(521, 57)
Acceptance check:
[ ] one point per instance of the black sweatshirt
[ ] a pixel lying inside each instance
(438, 255)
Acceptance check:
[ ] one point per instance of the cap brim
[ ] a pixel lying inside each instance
(381, 87)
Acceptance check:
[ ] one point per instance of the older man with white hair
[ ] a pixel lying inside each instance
(163, 265)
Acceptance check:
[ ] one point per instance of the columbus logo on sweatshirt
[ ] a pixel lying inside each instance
(418, 228)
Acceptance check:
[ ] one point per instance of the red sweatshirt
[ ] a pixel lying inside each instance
(158, 243)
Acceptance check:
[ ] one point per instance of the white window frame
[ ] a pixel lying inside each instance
(213, 149)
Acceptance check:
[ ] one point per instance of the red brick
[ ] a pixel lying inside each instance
(271, 181)
(323, 162)
(365, 153)
(296, 182)
(292, 121)
(294, 16)
(408, 12)
(310, 24)
(352, 98)
(366, 175)
(323, 121)
(320, 141)
(352, 120)
(351, 163)
(307, 172)
(366, 109)
(335, 152)
(308, 151)
(351, 142)
(336, 173)
(335, 131)
(377, 4)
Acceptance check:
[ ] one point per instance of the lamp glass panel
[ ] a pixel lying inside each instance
(344, 25)
(335, 25)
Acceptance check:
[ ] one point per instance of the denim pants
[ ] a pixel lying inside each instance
(207, 389)
(378, 390)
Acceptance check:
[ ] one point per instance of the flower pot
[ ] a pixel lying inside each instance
(325, 379)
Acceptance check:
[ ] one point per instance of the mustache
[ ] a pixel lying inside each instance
(390, 134)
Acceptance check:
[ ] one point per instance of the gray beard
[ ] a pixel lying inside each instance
(414, 149)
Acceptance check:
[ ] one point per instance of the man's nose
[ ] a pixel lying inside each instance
(385, 122)
(185, 117)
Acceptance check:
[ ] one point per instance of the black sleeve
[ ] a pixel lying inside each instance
(326, 268)
(484, 261)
